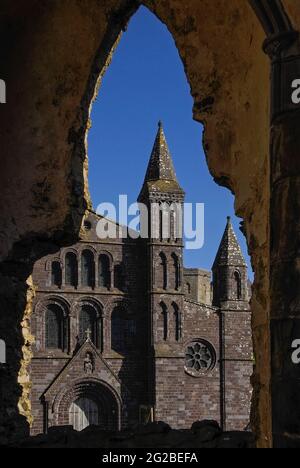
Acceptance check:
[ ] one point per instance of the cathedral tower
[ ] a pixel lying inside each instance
(230, 279)
(164, 198)
(231, 296)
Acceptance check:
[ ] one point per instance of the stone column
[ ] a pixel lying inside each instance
(284, 51)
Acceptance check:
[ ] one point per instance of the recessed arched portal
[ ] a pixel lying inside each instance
(90, 403)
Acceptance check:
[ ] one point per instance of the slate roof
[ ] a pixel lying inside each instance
(161, 175)
(229, 253)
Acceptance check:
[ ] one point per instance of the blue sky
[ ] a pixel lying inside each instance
(144, 84)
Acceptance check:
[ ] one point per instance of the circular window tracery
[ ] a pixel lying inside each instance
(200, 358)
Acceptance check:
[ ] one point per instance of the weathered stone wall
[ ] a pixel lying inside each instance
(47, 364)
(237, 361)
(197, 285)
(51, 76)
(180, 396)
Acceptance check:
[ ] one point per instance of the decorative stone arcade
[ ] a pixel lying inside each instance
(44, 190)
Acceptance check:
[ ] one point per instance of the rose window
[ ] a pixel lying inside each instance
(199, 358)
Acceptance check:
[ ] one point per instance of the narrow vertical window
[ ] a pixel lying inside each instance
(117, 329)
(104, 272)
(56, 274)
(165, 321)
(55, 329)
(178, 323)
(123, 330)
(71, 270)
(163, 272)
(237, 284)
(119, 277)
(87, 269)
(161, 226)
(176, 272)
(90, 322)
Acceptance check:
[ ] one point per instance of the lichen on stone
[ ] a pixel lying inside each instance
(24, 404)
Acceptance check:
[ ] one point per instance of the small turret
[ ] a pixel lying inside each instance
(230, 279)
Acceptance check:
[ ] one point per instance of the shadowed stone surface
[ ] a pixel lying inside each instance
(206, 434)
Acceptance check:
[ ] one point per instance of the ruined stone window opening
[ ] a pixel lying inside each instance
(223, 99)
(87, 269)
(71, 270)
(105, 281)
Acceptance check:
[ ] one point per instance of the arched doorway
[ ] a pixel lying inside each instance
(84, 412)
(90, 403)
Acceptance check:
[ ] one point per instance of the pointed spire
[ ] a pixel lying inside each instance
(160, 165)
(160, 175)
(229, 253)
